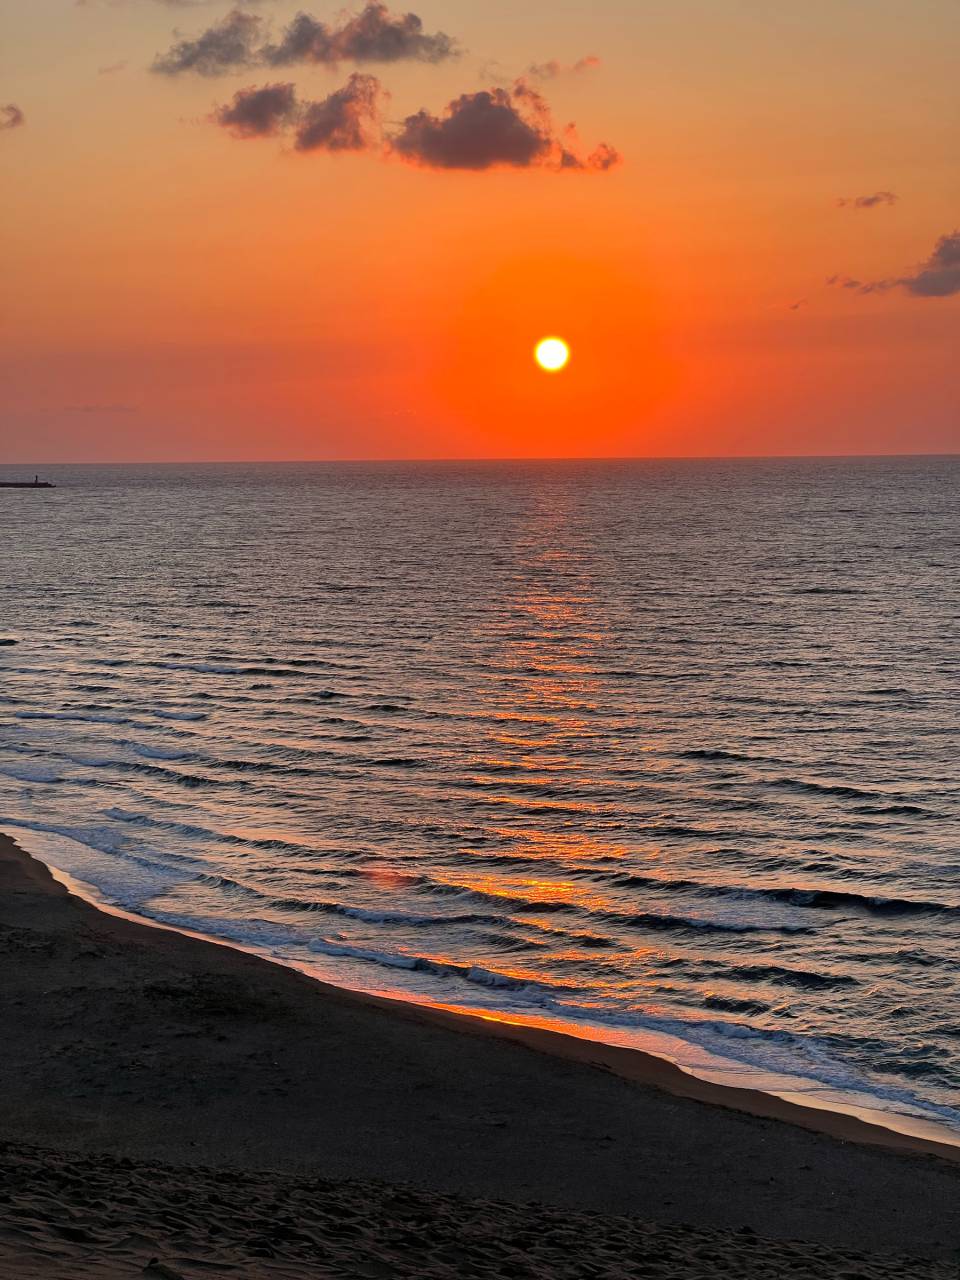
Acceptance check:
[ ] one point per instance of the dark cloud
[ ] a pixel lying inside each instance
(490, 129)
(11, 117)
(867, 202)
(348, 120)
(259, 113)
(937, 277)
(494, 128)
(550, 70)
(373, 35)
(229, 45)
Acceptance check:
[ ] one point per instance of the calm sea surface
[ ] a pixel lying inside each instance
(668, 752)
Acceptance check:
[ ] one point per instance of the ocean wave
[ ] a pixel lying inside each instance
(369, 915)
(73, 715)
(820, 788)
(30, 773)
(704, 923)
(157, 753)
(805, 979)
(822, 898)
(194, 831)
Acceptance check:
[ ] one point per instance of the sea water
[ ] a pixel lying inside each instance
(661, 752)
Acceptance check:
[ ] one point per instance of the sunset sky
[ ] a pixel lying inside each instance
(748, 243)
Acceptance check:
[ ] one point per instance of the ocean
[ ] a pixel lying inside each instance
(664, 753)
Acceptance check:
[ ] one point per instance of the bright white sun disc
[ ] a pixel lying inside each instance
(552, 354)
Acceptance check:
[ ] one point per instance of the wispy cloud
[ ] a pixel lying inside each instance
(229, 45)
(936, 277)
(550, 70)
(11, 117)
(112, 69)
(867, 202)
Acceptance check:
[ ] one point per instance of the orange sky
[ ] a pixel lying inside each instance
(172, 292)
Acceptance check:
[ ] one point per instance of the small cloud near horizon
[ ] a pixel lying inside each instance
(867, 202)
(11, 116)
(936, 277)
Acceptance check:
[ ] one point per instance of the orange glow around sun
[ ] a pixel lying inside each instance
(609, 369)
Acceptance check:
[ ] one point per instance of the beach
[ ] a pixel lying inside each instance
(165, 1097)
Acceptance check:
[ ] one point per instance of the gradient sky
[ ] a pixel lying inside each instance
(173, 292)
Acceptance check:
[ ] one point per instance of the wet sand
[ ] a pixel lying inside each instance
(162, 1096)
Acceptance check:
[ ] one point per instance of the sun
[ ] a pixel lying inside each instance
(552, 354)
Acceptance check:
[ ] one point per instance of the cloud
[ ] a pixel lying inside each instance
(486, 130)
(937, 277)
(229, 45)
(348, 120)
(259, 113)
(853, 285)
(11, 117)
(867, 202)
(494, 128)
(550, 70)
(373, 35)
(112, 69)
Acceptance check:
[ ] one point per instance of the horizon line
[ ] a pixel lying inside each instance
(460, 460)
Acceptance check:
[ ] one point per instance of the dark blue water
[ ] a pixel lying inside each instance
(667, 752)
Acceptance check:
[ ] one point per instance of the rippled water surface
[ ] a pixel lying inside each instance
(665, 750)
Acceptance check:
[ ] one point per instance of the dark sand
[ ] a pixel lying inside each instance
(164, 1096)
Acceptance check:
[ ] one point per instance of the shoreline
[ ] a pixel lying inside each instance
(868, 1126)
(179, 1078)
